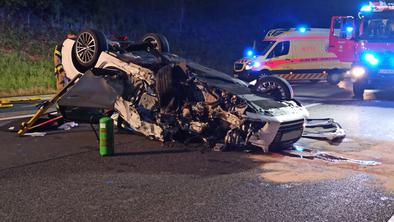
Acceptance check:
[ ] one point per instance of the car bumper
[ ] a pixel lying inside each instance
(276, 135)
(377, 80)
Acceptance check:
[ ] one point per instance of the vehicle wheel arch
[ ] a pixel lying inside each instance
(283, 92)
(160, 42)
(334, 76)
(265, 72)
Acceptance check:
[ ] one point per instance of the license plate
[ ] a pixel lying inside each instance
(386, 71)
(291, 135)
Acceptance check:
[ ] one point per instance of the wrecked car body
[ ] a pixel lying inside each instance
(167, 98)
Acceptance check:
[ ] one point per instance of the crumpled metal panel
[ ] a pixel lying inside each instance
(133, 118)
(93, 92)
(265, 136)
(326, 129)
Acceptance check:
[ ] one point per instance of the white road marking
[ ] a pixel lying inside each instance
(312, 105)
(16, 117)
(391, 219)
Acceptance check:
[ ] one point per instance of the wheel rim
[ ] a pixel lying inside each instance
(335, 78)
(272, 89)
(153, 41)
(85, 47)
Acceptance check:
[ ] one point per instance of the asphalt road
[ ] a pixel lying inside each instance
(60, 177)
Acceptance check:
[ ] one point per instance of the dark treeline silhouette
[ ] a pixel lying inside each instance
(213, 32)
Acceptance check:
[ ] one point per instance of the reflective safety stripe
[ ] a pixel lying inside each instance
(304, 76)
(57, 52)
(58, 68)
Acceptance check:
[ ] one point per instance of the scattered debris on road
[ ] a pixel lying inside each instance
(303, 153)
(67, 126)
(36, 134)
(323, 129)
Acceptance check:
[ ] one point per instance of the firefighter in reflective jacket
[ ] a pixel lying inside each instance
(61, 79)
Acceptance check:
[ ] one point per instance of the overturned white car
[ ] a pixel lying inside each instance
(165, 97)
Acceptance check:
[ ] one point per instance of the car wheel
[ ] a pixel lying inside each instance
(165, 86)
(159, 42)
(87, 49)
(314, 81)
(358, 90)
(274, 87)
(334, 78)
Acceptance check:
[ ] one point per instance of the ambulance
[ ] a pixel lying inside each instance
(294, 54)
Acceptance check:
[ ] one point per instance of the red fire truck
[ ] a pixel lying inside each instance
(366, 40)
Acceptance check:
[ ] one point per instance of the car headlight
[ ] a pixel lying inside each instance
(249, 66)
(256, 64)
(371, 59)
(358, 72)
(253, 65)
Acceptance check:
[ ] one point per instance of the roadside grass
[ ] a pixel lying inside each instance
(21, 74)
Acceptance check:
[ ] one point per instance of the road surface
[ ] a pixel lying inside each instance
(60, 177)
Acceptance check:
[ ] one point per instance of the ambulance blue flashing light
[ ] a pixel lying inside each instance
(249, 53)
(366, 8)
(302, 29)
(349, 29)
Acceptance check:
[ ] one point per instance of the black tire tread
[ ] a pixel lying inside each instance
(164, 85)
(163, 45)
(280, 81)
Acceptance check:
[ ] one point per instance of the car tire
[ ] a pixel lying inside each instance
(159, 42)
(276, 87)
(358, 90)
(165, 85)
(87, 49)
(334, 78)
(314, 81)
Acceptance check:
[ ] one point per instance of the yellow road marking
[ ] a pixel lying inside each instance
(7, 101)
(6, 105)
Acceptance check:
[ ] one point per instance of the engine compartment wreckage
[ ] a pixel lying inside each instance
(165, 97)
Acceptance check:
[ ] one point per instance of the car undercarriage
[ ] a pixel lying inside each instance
(150, 91)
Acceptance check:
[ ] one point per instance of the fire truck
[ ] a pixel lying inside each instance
(367, 41)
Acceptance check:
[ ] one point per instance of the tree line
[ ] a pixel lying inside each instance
(210, 31)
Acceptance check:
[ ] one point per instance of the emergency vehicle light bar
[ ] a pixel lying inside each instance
(377, 7)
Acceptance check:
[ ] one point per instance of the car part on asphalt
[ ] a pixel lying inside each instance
(326, 129)
(36, 134)
(165, 97)
(310, 154)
